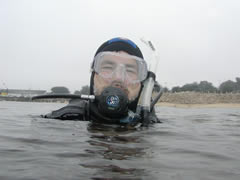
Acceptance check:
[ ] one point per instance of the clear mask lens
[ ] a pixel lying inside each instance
(120, 66)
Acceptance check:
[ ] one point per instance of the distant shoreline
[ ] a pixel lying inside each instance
(29, 99)
(196, 99)
(219, 105)
(180, 99)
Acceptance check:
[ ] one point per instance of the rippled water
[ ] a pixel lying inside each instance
(191, 143)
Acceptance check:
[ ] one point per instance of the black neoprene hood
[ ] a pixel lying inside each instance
(120, 44)
(115, 45)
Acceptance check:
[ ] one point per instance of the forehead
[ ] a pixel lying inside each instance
(120, 57)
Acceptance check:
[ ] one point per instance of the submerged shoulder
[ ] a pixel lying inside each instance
(75, 110)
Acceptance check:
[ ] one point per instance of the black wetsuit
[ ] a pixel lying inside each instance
(81, 110)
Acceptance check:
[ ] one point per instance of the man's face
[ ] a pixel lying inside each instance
(120, 72)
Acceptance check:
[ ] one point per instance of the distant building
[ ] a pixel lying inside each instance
(3, 93)
(21, 92)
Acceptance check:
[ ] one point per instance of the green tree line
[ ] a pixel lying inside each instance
(65, 90)
(207, 87)
(204, 87)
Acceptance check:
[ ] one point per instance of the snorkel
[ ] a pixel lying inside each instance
(145, 102)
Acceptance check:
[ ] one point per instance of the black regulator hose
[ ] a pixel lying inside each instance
(65, 96)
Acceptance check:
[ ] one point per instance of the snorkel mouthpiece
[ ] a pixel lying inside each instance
(113, 102)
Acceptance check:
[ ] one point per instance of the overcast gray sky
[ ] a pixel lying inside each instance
(46, 43)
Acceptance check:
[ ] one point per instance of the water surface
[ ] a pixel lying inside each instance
(191, 143)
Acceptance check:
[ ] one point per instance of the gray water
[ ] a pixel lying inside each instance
(191, 143)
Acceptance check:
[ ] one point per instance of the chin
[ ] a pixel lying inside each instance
(131, 99)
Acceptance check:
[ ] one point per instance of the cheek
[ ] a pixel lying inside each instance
(134, 91)
(99, 84)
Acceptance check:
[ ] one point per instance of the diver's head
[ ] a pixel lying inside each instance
(118, 63)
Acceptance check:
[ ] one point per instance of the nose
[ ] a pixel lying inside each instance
(119, 74)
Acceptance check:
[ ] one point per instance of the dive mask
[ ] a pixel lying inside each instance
(122, 66)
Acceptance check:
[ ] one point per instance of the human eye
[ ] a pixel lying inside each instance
(107, 66)
(131, 69)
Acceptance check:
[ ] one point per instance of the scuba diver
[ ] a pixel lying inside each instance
(118, 73)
